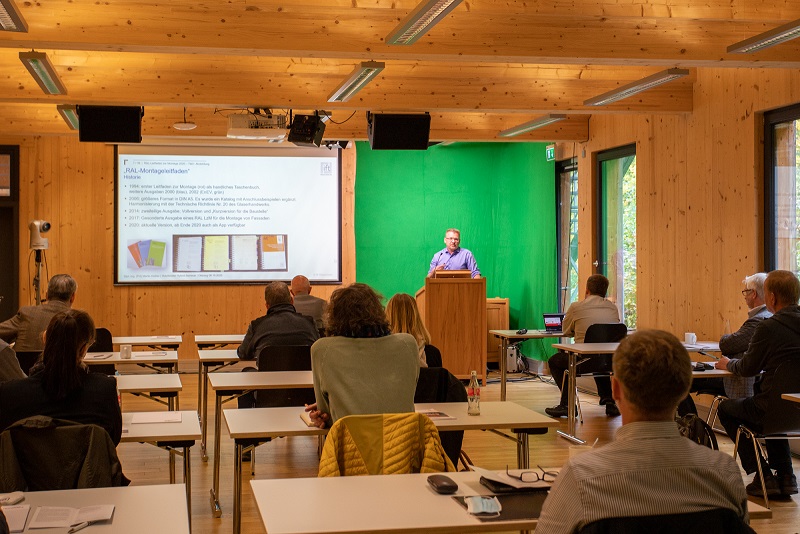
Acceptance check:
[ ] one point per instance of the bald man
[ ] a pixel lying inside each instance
(306, 304)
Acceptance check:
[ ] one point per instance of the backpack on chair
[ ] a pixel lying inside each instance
(697, 430)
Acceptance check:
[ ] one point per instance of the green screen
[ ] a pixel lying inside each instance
(500, 195)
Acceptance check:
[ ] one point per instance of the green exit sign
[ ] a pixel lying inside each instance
(550, 152)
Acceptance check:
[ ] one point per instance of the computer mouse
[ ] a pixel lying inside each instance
(442, 484)
(522, 331)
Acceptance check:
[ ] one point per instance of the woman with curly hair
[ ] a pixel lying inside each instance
(361, 367)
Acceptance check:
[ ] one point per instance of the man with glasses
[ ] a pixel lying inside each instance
(733, 346)
(649, 468)
(452, 257)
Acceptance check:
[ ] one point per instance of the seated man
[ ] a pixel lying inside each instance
(27, 326)
(649, 468)
(281, 325)
(774, 341)
(306, 304)
(593, 309)
(734, 346)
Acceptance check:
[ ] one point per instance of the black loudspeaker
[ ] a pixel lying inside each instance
(110, 124)
(306, 130)
(391, 131)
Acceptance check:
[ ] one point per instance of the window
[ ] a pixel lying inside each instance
(781, 191)
(567, 228)
(616, 227)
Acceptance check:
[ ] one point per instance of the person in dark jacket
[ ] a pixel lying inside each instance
(60, 385)
(281, 325)
(775, 340)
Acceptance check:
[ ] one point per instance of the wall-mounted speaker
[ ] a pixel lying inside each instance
(394, 131)
(110, 124)
(306, 130)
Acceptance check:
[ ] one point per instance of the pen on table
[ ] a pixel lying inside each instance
(707, 354)
(79, 526)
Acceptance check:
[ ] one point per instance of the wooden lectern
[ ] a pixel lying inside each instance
(454, 310)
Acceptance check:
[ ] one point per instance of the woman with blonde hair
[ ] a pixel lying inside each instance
(403, 315)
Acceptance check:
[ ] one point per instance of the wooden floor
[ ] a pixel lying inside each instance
(297, 457)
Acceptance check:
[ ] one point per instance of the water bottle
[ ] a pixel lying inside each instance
(474, 395)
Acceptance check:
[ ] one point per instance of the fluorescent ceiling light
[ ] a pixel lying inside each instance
(10, 18)
(43, 72)
(360, 77)
(636, 87)
(69, 115)
(532, 125)
(779, 35)
(419, 21)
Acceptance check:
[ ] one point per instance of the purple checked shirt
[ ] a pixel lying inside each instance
(460, 259)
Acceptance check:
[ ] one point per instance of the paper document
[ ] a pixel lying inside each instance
(511, 481)
(156, 417)
(97, 355)
(16, 516)
(435, 414)
(63, 516)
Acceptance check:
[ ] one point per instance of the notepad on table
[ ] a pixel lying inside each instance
(97, 356)
(156, 417)
(64, 516)
(16, 516)
(435, 414)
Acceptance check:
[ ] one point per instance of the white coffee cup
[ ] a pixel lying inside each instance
(125, 352)
(690, 337)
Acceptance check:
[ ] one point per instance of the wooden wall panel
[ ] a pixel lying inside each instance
(71, 184)
(699, 196)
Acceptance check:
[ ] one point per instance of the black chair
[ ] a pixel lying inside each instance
(782, 417)
(102, 343)
(437, 384)
(284, 358)
(27, 360)
(714, 521)
(597, 364)
(433, 357)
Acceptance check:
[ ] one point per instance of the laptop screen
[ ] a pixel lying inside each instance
(552, 321)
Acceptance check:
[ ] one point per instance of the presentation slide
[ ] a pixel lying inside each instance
(227, 215)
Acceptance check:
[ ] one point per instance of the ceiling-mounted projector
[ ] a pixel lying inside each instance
(270, 127)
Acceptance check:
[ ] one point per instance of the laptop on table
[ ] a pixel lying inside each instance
(552, 323)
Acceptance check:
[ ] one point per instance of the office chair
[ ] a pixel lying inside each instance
(437, 384)
(383, 444)
(281, 358)
(782, 417)
(53, 454)
(715, 521)
(102, 343)
(598, 364)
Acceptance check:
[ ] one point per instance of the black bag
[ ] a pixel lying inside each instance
(697, 430)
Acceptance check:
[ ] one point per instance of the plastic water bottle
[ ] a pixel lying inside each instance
(474, 395)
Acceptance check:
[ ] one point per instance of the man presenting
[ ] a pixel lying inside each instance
(594, 308)
(30, 322)
(453, 257)
(281, 325)
(304, 303)
(649, 468)
(774, 341)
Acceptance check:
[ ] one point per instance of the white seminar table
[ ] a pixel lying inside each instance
(152, 386)
(234, 385)
(211, 361)
(137, 509)
(387, 504)
(261, 423)
(573, 350)
(153, 342)
(148, 359)
(169, 436)
(510, 336)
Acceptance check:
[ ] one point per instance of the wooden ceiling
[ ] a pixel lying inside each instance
(489, 65)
